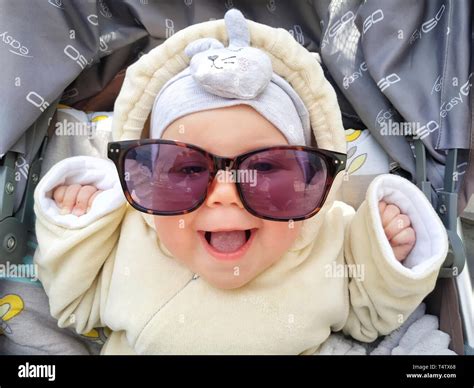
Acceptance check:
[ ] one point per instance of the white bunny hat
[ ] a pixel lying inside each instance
(146, 78)
(221, 76)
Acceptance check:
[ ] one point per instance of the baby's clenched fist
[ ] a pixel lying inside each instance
(396, 226)
(75, 199)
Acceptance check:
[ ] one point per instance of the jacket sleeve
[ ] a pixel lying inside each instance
(388, 291)
(75, 255)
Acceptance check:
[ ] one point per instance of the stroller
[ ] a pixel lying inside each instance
(98, 40)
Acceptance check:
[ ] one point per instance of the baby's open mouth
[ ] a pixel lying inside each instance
(228, 241)
(228, 244)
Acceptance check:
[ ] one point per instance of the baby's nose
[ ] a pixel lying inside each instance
(223, 193)
(213, 57)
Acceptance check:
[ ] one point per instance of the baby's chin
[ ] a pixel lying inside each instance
(224, 275)
(228, 282)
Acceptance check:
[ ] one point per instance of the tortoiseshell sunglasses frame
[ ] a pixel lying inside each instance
(335, 163)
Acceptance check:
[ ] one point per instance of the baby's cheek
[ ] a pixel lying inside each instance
(174, 234)
(276, 238)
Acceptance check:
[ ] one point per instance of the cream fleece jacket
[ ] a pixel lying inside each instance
(108, 268)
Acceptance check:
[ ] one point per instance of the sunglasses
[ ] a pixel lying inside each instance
(281, 183)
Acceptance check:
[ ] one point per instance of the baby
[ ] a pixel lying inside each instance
(233, 241)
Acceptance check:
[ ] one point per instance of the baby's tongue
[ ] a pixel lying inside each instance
(228, 241)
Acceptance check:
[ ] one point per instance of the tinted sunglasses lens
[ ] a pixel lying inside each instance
(284, 184)
(166, 178)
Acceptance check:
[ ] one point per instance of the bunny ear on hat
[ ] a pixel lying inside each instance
(237, 29)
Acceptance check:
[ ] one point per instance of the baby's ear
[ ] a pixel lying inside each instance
(201, 45)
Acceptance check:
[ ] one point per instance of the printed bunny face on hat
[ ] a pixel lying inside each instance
(237, 71)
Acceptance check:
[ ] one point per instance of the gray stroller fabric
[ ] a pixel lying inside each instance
(405, 62)
(390, 62)
(74, 48)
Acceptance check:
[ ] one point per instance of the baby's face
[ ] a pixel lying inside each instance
(225, 132)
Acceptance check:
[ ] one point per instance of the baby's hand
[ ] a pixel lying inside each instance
(75, 198)
(397, 229)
